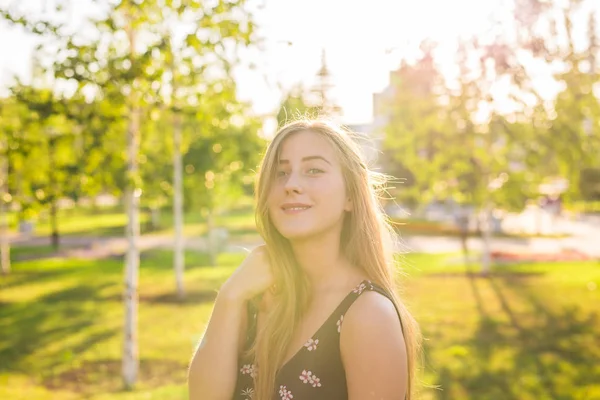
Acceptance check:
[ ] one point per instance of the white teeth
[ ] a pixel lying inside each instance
(297, 208)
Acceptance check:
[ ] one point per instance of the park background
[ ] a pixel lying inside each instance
(130, 133)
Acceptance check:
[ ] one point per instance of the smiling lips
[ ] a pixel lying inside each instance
(294, 208)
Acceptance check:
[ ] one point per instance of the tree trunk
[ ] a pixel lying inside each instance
(463, 228)
(54, 224)
(211, 242)
(178, 251)
(486, 233)
(54, 236)
(132, 196)
(155, 218)
(4, 244)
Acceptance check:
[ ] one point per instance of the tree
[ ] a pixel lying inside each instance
(219, 161)
(193, 67)
(55, 140)
(4, 198)
(129, 69)
(568, 138)
(435, 131)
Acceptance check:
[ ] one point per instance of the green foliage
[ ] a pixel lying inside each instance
(568, 134)
(450, 138)
(180, 68)
(432, 137)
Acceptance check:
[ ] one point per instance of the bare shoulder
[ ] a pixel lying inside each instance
(372, 310)
(373, 349)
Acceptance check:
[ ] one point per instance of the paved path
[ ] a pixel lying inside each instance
(585, 241)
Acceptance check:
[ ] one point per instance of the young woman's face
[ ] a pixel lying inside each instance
(308, 195)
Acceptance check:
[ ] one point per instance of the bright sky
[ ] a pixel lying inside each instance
(363, 40)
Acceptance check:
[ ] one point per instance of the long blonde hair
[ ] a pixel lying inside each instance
(366, 240)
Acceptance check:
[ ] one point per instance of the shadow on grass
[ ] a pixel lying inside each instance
(42, 325)
(536, 347)
(23, 277)
(78, 293)
(156, 259)
(105, 375)
(191, 297)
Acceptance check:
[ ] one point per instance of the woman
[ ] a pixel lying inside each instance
(312, 314)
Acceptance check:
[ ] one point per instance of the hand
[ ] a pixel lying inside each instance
(251, 278)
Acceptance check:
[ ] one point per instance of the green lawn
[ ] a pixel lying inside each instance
(112, 221)
(83, 222)
(527, 332)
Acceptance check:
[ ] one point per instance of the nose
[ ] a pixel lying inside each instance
(293, 184)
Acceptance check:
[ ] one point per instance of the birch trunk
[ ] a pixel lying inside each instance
(178, 251)
(132, 197)
(4, 245)
(211, 242)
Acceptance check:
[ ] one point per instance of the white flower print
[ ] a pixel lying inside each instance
(248, 393)
(245, 369)
(359, 289)
(308, 377)
(316, 382)
(284, 393)
(248, 369)
(339, 324)
(311, 344)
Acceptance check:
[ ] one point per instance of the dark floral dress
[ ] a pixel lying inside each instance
(316, 371)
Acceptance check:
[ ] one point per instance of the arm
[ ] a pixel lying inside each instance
(373, 350)
(212, 373)
(213, 370)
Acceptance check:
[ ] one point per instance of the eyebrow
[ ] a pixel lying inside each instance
(281, 161)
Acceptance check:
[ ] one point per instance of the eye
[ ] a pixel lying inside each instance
(315, 171)
(280, 173)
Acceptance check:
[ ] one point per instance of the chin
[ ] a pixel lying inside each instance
(295, 233)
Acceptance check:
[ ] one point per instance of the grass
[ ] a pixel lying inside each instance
(529, 331)
(84, 222)
(103, 222)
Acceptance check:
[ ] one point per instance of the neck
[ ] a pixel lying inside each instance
(322, 261)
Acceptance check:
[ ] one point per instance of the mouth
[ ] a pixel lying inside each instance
(294, 209)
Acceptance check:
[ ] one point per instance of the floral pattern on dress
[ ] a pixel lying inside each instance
(339, 323)
(284, 393)
(359, 289)
(306, 388)
(362, 286)
(248, 369)
(308, 377)
(248, 393)
(311, 344)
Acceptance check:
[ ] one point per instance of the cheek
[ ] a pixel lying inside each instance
(333, 190)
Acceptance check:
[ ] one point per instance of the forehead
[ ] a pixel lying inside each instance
(306, 143)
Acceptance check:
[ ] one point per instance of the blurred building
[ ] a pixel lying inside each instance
(373, 131)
